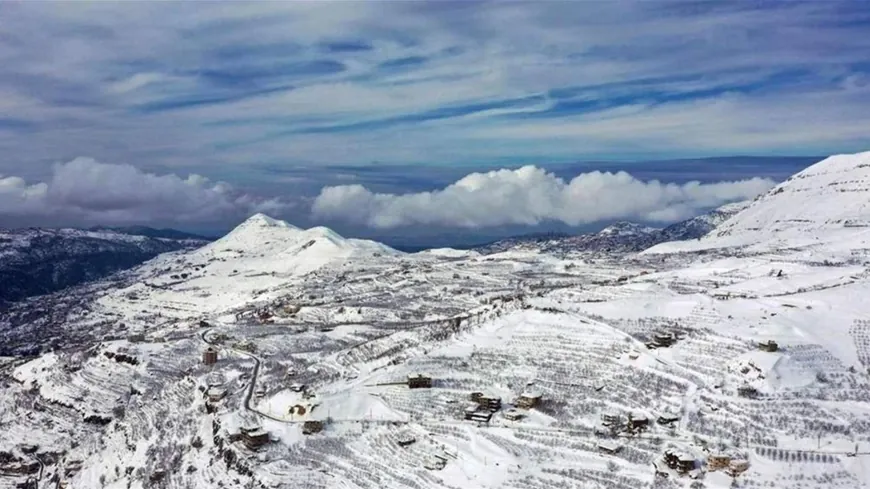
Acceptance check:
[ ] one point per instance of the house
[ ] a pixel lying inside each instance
(737, 467)
(435, 462)
(487, 401)
(634, 354)
(747, 391)
(718, 461)
(254, 439)
(662, 339)
(136, 338)
(769, 345)
(296, 387)
(667, 418)
(513, 415)
(209, 356)
(477, 413)
(679, 461)
(405, 438)
(529, 399)
(609, 447)
(685, 463)
(419, 381)
(610, 418)
(637, 421)
(312, 426)
(215, 394)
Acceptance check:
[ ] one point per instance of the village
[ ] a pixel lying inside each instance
(481, 409)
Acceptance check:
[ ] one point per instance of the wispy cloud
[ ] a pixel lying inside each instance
(234, 85)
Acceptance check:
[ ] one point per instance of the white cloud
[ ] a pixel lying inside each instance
(530, 196)
(85, 191)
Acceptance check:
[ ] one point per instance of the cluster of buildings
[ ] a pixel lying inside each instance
(682, 463)
(483, 406)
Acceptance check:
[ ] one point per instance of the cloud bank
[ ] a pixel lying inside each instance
(531, 196)
(85, 191)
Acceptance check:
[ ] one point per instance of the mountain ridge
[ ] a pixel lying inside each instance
(37, 261)
(619, 237)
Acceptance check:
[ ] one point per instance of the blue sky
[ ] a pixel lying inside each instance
(250, 95)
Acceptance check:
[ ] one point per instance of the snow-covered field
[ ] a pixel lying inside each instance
(317, 336)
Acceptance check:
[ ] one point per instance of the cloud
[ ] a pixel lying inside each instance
(531, 196)
(244, 84)
(85, 191)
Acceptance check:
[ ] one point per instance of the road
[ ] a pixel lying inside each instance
(252, 385)
(587, 433)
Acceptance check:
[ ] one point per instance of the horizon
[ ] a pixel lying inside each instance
(416, 121)
(775, 168)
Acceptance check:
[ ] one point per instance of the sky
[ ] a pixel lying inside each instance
(404, 118)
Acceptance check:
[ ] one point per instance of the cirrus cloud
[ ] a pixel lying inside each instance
(85, 191)
(531, 196)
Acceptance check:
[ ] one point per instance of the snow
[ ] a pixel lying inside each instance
(815, 207)
(507, 324)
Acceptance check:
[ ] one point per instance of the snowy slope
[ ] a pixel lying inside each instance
(827, 203)
(256, 260)
(38, 261)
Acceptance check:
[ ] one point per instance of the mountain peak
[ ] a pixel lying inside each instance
(262, 220)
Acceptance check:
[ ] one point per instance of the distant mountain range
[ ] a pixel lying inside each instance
(38, 261)
(152, 232)
(620, 237)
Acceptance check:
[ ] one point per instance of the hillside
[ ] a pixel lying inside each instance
(817, 207)
(620, 237)
(40, 261)
(280, 357)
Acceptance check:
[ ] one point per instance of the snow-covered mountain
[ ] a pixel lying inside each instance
(278, 357)
(38, 261)
(821, 206)
(620, 237)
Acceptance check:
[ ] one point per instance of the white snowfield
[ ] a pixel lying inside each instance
(659, 357)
